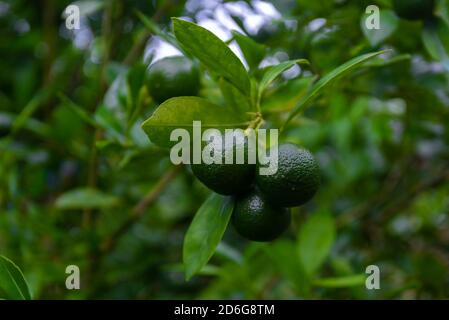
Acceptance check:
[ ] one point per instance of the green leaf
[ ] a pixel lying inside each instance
(286, 95)
(434, 37)
(30, 108)
(180, 112)
(272, 72)
(229, 252)
(205, 232)
(341, 282)
(280, 252)
(78, 110)
(134, 83)
(388, 25)
(379, 63)
(315, 240)
(252, 51)
(85, 198)
(233, 97)
(442, 11)
(212, 52)
(330, 78)
(12, 282)
(110, 119)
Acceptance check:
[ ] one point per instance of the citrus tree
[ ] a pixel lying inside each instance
(87, 178)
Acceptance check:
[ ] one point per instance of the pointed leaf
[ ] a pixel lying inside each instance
(85, 198)
(315, 240)
(212, 52)
(272, 72)
(180, 112)
(330, 78)
(252, 51)
(205, 232)
(12, 282)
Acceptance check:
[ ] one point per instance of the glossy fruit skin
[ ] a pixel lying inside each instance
(414, 9)
(296, 180)
(172, 77)
(256, 219)
(227, 179)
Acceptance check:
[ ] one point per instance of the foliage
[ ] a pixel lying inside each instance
(81, 183)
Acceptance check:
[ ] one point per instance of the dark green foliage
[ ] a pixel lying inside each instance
(414, 9)
(83, 182)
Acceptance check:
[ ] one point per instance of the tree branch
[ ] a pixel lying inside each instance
(139, 209)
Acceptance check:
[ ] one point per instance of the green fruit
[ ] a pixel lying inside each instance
(256, 219)
(173, 77)
(227, 179)
(296, 180)
(414, 9)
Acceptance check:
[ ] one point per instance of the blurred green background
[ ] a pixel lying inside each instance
(81, 184)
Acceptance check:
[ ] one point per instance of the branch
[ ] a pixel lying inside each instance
(139, 209)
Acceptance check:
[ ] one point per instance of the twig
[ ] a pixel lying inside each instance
(140, 208)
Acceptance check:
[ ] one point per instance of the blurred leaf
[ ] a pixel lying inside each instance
(443, 10)
(315, 240)
(229, 252)
(212, 52)
(272, 72)
(85, 198)
(180, 112)
(330, 78)
(378, 62)
(388, 25)
(12, 282)
(252, 51)
(78, 110)
(134, 82)
(434, 36)
(341, 282)
(7, 120)
(285, 96)
(205, 232)
(280, 253)
(29, 109)
(109, 121)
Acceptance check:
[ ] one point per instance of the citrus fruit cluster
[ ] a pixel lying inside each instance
(262, 202)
